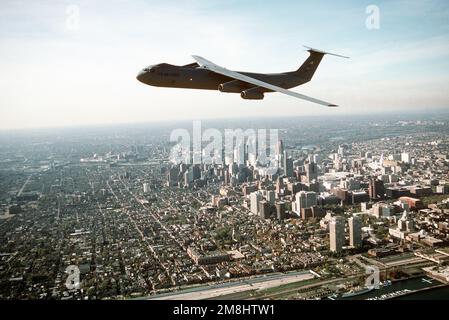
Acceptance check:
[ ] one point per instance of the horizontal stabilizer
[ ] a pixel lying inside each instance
(324, 52)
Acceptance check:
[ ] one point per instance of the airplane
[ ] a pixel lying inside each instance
(204, 74)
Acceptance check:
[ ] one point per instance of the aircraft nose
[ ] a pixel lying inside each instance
(140, 76)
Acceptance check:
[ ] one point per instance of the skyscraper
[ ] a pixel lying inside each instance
(264, 209)
(280, 154)
(255, 197)
(355, 231)
(188, 177)
(337, 233)
(233, 168)
(405, 157)
(280, 147)
(172, 176)
(280, 210)
(376, 189)
(196, 172)
(311, 171)
(270, 196)
(279, 185)
(304, 200)
(287, 165)
(341, 151)
(240, 154)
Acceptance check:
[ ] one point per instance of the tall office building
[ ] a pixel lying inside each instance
(304, 200)
(341, 151)
(173, 177)
(146, 188)
(196, 172)
(280, 147)
(188, 177)
(311, 171)
(280, 155)
(255, 198)
(233, 169)
(279, 185)
(287, 165)
(240, 154)
(337, 233)
(355, 231)
(405, 157)
(280, 210)
(264, 209)
(183, 167)
(226, 177)
(376, 189)
(294, 187)
(270, 196)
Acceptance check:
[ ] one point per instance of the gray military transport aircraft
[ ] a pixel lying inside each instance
(204, 74)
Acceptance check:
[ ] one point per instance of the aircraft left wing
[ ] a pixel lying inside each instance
(209, 65)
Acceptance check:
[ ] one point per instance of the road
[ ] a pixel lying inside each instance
(24, 185)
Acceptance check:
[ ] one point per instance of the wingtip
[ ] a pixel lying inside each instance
(332, 105)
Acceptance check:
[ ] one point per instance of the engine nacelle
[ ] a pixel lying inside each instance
(252, 94)
(233, 86)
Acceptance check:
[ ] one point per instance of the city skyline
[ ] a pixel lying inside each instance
(60, 70)
(105, 213)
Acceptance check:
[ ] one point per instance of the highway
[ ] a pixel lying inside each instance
(24, 185)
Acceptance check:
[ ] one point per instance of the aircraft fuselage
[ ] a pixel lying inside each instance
(195, 77)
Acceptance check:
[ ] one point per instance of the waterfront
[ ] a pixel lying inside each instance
(419, 283)
(441, 293)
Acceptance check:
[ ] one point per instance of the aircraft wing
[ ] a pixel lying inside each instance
(206, 64)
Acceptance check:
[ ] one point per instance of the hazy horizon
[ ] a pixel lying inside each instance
(430, 114)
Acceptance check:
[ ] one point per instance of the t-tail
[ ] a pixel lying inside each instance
(308, 68)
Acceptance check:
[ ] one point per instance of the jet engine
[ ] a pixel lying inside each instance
(231, 86)
(252, 94)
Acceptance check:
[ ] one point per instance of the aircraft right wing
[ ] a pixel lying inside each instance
(209, 65)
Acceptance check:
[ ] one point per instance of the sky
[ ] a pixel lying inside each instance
(69, 63)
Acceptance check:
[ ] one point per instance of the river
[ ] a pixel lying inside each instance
(441, 293)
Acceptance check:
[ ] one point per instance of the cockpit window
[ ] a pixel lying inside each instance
(151, 68)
